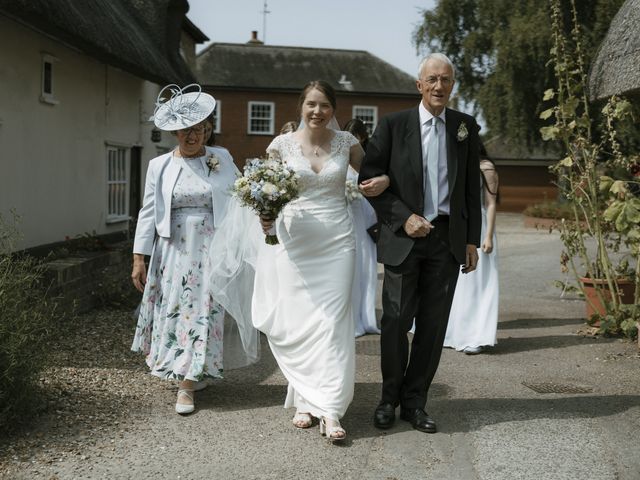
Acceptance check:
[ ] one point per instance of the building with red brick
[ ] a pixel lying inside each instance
(257, 88)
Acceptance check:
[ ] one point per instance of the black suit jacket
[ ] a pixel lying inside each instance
(395, 149)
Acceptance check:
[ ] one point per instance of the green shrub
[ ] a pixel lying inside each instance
(26, 321)
(550, 209)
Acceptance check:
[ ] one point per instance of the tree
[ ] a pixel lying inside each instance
(501, 52)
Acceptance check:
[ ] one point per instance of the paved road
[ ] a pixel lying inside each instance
(492, 426)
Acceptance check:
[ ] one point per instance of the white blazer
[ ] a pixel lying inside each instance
(162, 174)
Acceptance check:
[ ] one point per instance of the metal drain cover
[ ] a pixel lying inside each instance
(551, 387)
(368, 347)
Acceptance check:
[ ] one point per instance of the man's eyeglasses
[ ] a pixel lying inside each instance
(198, 130)
(432, 80)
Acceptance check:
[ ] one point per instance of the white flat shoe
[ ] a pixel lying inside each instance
(185, 408)
(473, 350)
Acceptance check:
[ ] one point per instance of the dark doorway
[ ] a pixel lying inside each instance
(135, 177)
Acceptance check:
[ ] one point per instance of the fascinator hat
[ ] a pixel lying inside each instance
(178, 108)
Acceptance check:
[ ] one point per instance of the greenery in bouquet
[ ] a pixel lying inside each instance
(598, 179)
(266, 186)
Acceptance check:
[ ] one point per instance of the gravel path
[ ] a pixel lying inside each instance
(105, 417)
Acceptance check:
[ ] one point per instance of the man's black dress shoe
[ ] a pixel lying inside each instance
(384, 416)
(419, 419)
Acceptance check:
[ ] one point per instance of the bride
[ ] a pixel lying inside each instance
(302, 289)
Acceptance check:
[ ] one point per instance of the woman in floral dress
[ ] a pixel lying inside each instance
(180, 325)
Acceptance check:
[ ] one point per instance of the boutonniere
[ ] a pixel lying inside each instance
(463, 133)
(213, 162)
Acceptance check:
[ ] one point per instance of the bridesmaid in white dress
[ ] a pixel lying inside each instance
(473, 321)
(366, 277)
(302, 290)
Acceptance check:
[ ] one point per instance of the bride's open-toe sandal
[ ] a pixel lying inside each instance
(185, 408)
(302, 420)
(334, 433)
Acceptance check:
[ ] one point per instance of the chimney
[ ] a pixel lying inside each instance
(176, 11)
(254, 38)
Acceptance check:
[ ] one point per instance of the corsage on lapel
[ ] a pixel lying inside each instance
(463, 133)
(213, 162)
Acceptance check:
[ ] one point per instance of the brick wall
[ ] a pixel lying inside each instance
(82, 281)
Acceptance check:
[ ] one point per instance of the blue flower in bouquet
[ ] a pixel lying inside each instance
(256, 192)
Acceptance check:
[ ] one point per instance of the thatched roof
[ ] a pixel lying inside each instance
(138, 36)
(269, 67)
(616, 68)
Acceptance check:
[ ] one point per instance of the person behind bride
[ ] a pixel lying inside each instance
(473, 321)
(302, 289)
(288, 127)
(180, 325)
(358, 129)
(365, 282)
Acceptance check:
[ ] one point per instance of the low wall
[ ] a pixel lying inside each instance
(82, 281)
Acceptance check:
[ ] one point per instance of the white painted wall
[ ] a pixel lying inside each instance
(53, 157)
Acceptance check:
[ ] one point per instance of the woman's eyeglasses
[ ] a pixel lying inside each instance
(198, 130)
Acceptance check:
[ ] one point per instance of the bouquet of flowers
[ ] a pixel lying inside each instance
(266, 186)
(352, 191)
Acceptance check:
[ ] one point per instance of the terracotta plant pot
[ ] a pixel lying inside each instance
(626, 287)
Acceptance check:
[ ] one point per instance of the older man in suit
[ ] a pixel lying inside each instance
(428, 227)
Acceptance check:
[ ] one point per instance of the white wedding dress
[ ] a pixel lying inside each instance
(365, 281)
(303, 286)
(473, 321)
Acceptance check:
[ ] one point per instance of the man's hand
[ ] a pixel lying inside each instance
(374, 186)
(417, 226)
(471, 259)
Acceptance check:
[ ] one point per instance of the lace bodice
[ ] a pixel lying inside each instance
(328, 185)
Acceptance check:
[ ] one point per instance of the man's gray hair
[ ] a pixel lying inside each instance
(441, 57)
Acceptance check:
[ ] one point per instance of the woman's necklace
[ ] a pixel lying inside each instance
(316, 149)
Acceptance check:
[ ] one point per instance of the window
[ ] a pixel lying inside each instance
(261, 118)
(217, 115)
(368, 115)
(47, 83)
(117, 183)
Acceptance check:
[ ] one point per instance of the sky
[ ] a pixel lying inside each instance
(383, 28)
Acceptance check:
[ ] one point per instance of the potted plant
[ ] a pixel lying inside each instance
(599, 181)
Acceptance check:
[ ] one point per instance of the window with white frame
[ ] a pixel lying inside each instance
(117, 183)
(217, 115)
(47, 82)
(261, 118)
(367, 114)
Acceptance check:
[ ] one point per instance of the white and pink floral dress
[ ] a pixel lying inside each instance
(180, 326)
